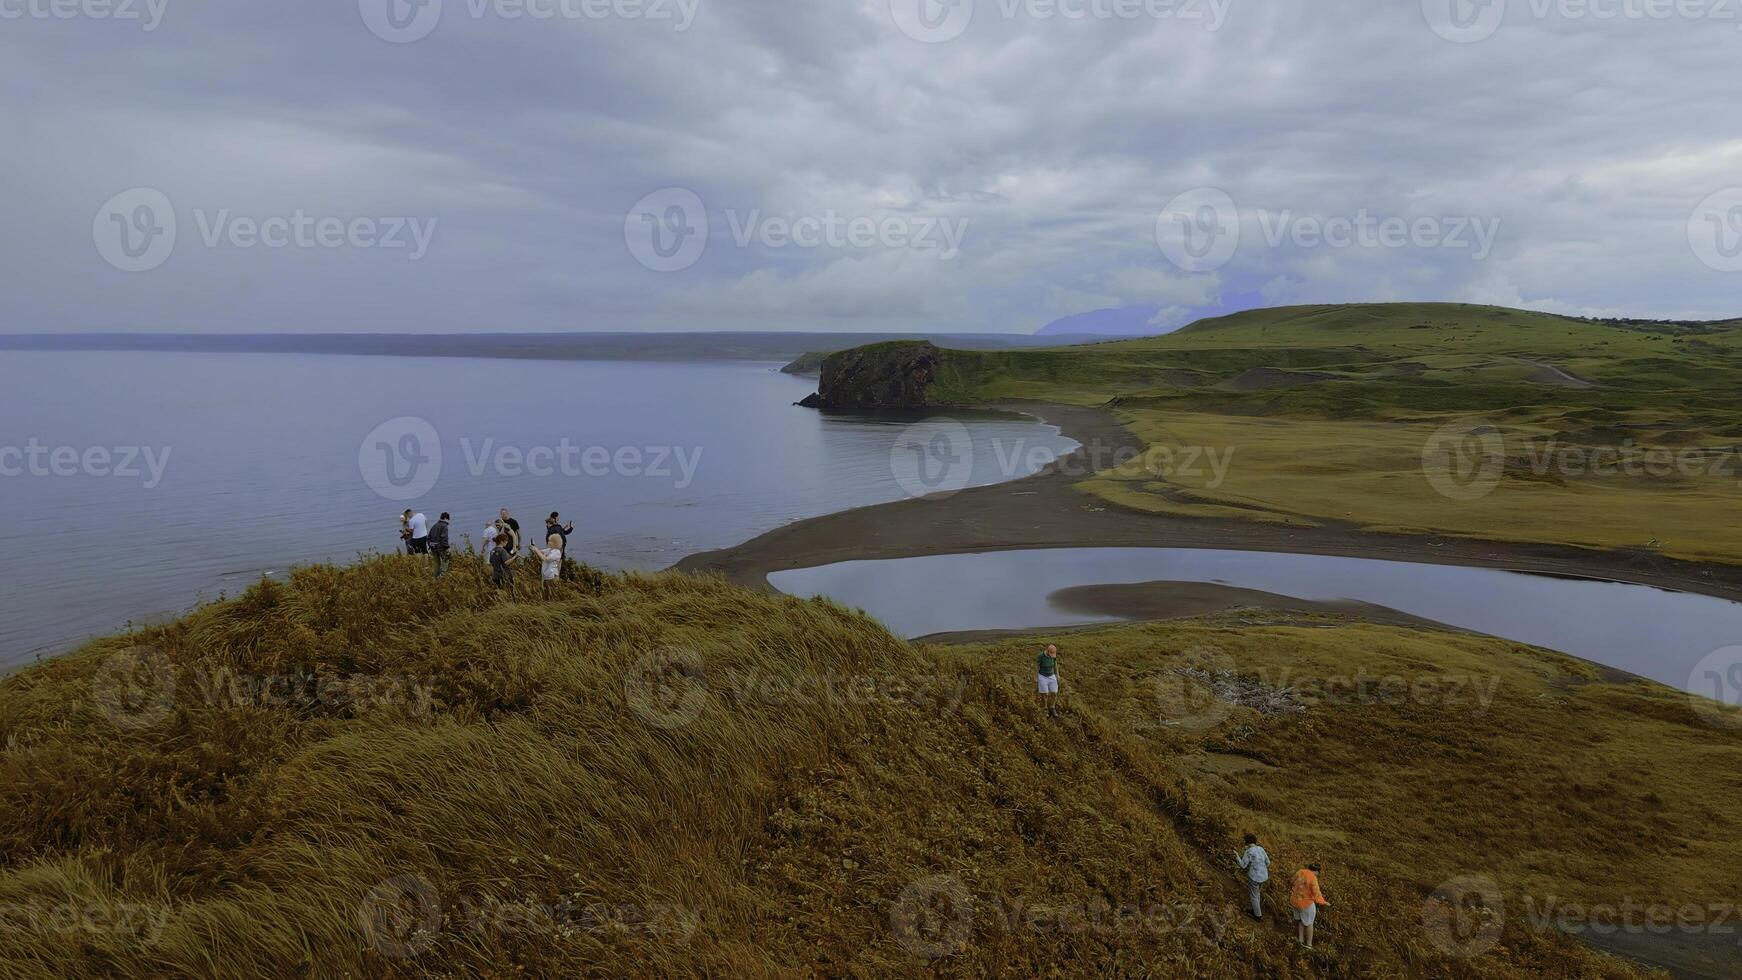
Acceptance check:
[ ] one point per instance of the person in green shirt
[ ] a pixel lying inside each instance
(1048, 662)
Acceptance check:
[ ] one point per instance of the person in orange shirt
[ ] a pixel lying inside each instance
(1306, 899)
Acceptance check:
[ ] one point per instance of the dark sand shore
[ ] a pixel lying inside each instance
(1046, 511)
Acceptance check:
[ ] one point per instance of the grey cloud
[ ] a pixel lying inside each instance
(1056, 141)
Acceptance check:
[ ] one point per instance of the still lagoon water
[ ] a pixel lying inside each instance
(1686, 641)
(137, 484)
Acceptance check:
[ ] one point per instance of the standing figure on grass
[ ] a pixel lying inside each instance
(1306, 899)
(438, 544)
(501, 575)
(1048, 681)
(552, 556)
(1255, 861)
(417, 538)
(554, 526)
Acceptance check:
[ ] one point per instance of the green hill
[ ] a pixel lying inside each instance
(365, 772)
(1332, 412)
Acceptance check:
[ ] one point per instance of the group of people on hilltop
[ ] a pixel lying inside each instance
(500, 544)
(1253, 862)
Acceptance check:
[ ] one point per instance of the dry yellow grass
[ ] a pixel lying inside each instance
(1372, 473)
(673, 776)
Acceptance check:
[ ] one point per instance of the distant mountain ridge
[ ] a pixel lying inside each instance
(1116, 321)
(768, 346)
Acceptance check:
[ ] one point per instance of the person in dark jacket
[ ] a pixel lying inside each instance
(501, 574)
(438, 544)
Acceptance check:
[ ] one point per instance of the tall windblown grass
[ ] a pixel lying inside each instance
(368, 772)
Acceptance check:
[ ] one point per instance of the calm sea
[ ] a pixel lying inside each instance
(137, 484)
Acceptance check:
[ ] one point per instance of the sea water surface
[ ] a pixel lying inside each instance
(246, 464)
(1674, 637)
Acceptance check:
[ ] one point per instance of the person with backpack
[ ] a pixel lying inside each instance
(1306, 899)
(438, 544)
(1255, 861)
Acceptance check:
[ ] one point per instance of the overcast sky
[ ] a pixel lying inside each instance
(987, 165)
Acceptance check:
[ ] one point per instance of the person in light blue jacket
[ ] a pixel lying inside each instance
(1255, 861)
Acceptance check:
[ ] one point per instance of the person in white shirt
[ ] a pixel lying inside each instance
(552, 556)
(487, 540)
(1255, 861)
(418, 542)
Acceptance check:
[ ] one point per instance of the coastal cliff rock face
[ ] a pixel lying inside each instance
(898, 374)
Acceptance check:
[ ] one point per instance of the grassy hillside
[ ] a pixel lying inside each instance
(1601, 434)
(365, 772)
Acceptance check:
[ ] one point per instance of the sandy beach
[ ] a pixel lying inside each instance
(1048, 511)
